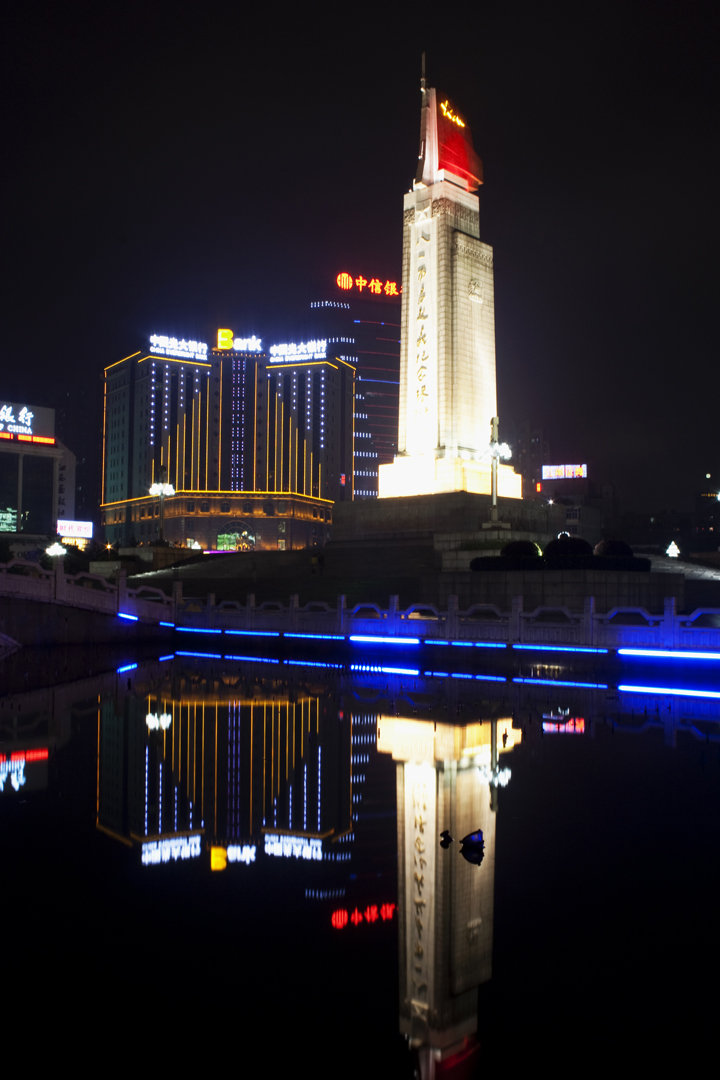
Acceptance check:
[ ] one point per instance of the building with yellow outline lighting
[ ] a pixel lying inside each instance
(256, 448)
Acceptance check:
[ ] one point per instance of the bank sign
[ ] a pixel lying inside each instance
(180, 348)
(226, 340)
(22, 421)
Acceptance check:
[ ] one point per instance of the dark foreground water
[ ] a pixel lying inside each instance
(252, 878)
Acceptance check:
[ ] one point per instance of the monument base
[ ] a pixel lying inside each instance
(431, 476)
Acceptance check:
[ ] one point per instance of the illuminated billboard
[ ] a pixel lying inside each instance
(300, 350)
(456, 153)
(162, 345)
(227, 340)
(373, 286)
(26, 423)
(564, 472)
(82, 529)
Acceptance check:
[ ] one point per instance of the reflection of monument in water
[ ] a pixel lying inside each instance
(447, 778)
(448, 393)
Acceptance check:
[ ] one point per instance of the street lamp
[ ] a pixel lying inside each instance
(498, 451)
(162, 490)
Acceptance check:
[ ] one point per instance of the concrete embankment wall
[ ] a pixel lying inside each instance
(32, 622)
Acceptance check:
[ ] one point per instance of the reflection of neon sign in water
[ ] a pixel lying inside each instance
(156, 721)
(293, 847)
(171, 850)
(13, 768)
(244, 853)
(371, 914)
(573, 725)
(448, 112)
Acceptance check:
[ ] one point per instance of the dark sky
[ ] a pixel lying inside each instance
(175, 168)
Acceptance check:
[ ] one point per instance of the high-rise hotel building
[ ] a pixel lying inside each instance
(360, 316)
(256, 447)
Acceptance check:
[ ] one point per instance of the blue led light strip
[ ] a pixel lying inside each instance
(561, 648)
(317, 637)
(197, 630)
(254, 659)
(124, 615)
(384, 640)
(562, 682)
(670, 654)
(255, 633)
(384, 670)
(202, 655)
(676, 691)
(312, 663)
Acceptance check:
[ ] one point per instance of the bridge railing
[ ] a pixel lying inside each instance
(621, 626)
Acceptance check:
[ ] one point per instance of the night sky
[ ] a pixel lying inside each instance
(175, 168)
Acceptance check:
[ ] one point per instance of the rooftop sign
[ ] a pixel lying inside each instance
(28, 423)
(375, 286)
(162, 345)
(300, 350)
(227, 340)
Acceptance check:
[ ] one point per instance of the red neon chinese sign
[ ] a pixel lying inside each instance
(370, 914)
(375, 286)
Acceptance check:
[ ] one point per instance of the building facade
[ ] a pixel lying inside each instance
(255, 448)
(360, 317)
(37, 473)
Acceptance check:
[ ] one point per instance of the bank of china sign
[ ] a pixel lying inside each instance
(18, 419)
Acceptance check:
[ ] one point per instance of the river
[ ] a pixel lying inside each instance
(210, 861)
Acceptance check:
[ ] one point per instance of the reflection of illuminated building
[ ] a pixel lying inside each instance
(234, 769)
(447, 776)
(447, 356)
(23, 770)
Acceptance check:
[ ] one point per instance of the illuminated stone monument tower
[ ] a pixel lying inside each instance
(447, 354)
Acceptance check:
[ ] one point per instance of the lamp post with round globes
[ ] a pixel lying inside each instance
(162, 490)
(498, 450)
